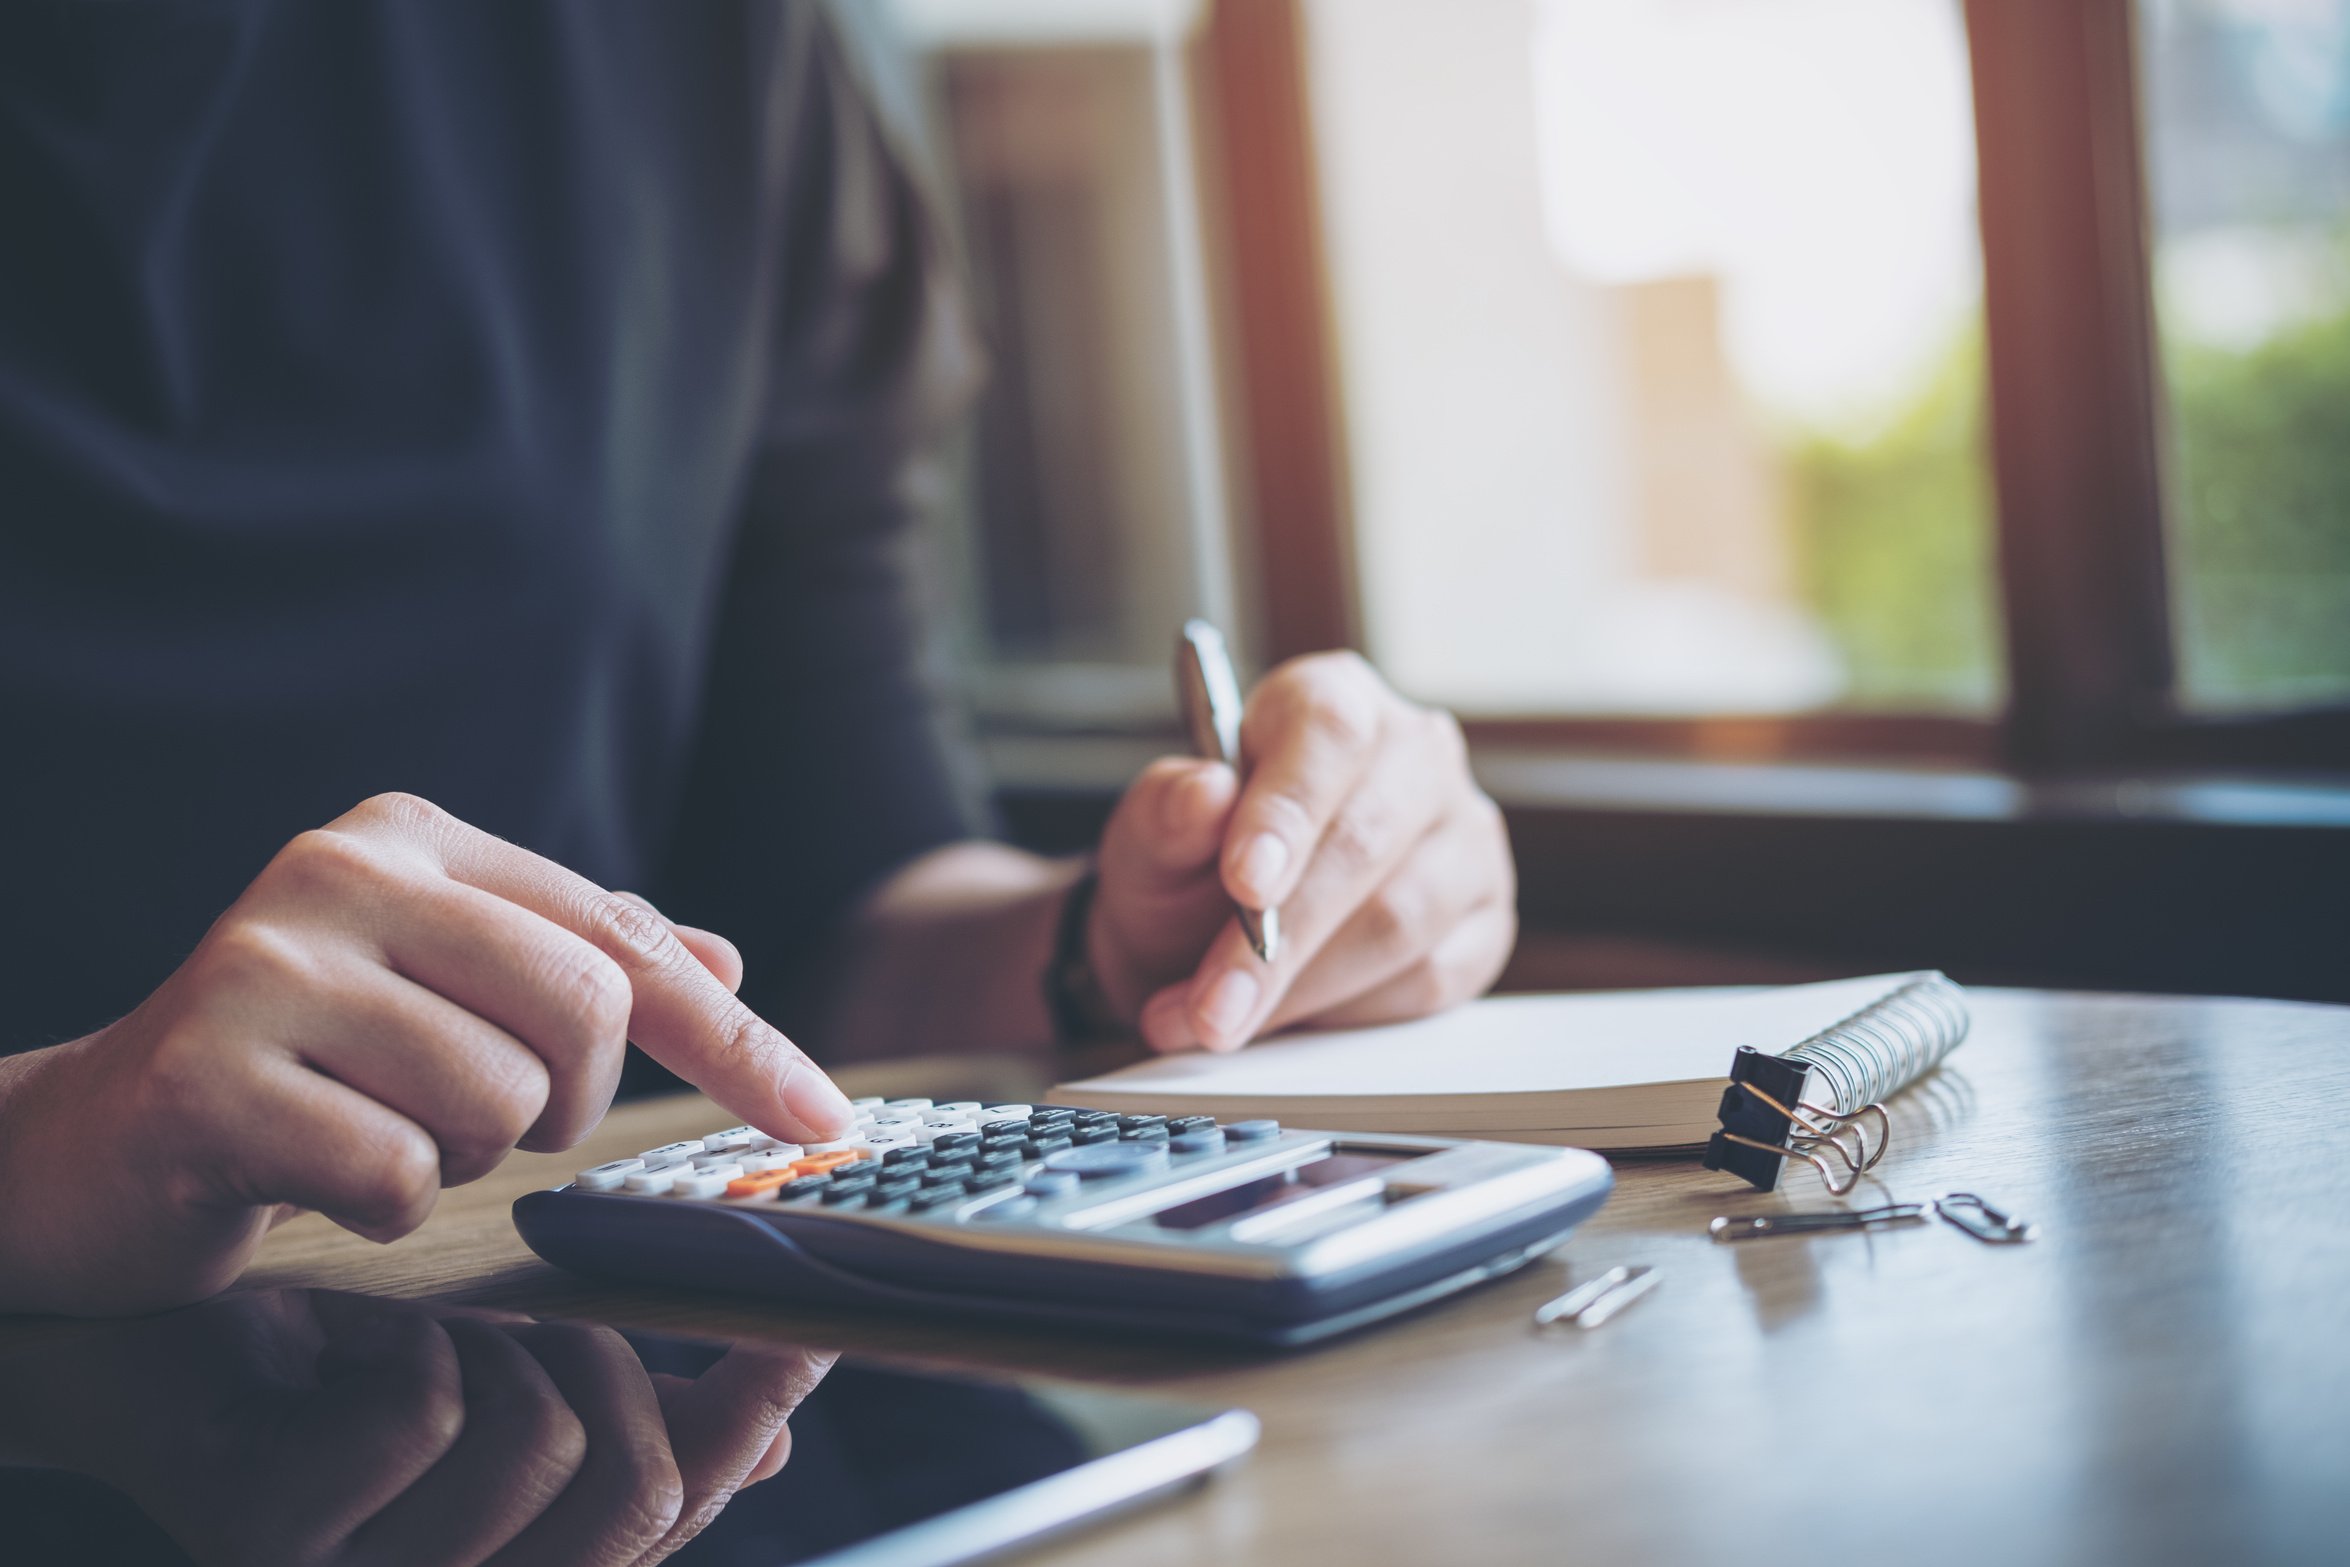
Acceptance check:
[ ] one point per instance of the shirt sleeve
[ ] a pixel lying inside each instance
(829, 750)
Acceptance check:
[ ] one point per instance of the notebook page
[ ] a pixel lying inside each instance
(1517, 1044)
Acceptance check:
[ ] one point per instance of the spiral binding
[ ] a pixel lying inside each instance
(1887, 1045)
(1860, 1061)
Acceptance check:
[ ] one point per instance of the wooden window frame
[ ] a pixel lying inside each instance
(2076, 416)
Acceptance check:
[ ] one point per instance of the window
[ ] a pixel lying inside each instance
(1660, 333)
(1950, 377)
(2248, 151)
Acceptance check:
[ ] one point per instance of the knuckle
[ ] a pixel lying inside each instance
(1446, 739)
(253, 952)
(594, 994)
(643, 936)
(400, 812)
(399, 1180)
(1358, 841)
(325, 863)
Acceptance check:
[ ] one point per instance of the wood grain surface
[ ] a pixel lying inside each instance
(2163, 1376)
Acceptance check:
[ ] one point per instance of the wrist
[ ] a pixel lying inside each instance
(1080, 974)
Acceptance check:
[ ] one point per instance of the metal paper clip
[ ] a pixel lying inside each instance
(1761, 1226)
(1985, 1223)
(1589, 1304)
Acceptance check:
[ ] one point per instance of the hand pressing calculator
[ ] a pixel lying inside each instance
(1053, 1214)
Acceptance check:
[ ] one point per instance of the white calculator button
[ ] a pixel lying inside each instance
(1007, 1113)
(706, 1183)
(865, 1106)
(836, 1145)
(711, 1161)
(671, 1153)
(883, 1142)
(772, 1158)
(969, 1107)
(732, 1137)
(651, 1182)
(607, 1177)
(915, 1105)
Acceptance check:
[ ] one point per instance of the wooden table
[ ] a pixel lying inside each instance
(2163, 1376)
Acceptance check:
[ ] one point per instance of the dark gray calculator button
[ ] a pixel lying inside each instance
(1191, 1123)
(1252, 1131)
(940, 1196)
(1038, 1147)
(1144, 1134)
(954, 1140)
(1197, 1142)
(989, 1129)
(1096, 1118)
(806, 1189)
(1102, 1160)
(844, 1196)
(1127, 1123)
(934, 1178)
(917, 1157)
(989, 1180)
(890, 1191)
(881, 1204)
(1054, 1183)
(1060, 1110)
(1094, 1134)
(1002, 1144)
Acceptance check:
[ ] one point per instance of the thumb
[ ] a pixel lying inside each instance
(1167, 832)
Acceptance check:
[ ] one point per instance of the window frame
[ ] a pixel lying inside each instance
(2076, 416)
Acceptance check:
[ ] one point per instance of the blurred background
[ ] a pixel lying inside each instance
(1874, 475)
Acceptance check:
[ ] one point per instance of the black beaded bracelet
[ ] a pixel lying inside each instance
(1073, 994)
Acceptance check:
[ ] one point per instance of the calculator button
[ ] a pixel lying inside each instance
(948, 1177)
(915, 1105)
(1009, 1112)
(916, 1157)
(1053, 1183)
(777, 1158)
(1008, 1128)
(1016, 1208)
(955, 1140)
(705, 1183)
(836, 1145)
(651, 1183)
(760, 1184)
(1195, 1143)
(970, 1107)
(806, 1188)
(711, 1161)
(1036, 1117)
(989, 1180)
(1128, 1123)
(1103, 1160)
(940, 1196)
(818, 1163)
(1094, 1134)
(1095, 1118)
(1252, 1131)
(1191, 1123)
(844, 1197)
(1144, 1134)
(733, 1137)
(1003, 1141)
(866, 1106)
(607, 1177)
(671, 1153)
(892, 1187)
(1037, 1147)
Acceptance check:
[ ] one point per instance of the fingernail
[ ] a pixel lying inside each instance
(1261, 863)
(1229, 1001)
(819, 1106)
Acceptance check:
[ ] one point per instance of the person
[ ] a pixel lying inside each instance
(463, 468)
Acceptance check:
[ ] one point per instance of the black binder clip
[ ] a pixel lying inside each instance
(1766, 1121)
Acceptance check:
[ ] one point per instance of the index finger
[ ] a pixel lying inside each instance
(678, 1012)
(1311, 729)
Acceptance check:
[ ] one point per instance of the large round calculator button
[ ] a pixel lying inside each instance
(1252, 1131)
(1099, 1161)
(1197, 1142)
(1010, 1208)
(1054, 1183)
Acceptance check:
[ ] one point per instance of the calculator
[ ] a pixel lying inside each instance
(1056, 1214)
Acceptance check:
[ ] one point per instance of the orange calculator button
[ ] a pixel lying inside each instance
(818, 1163)
(760, 1184)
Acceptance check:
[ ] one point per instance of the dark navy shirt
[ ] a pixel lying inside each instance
(511, 403)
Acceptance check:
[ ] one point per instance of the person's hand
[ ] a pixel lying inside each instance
(395, 1003)
(305, 1426)
(1359, 820)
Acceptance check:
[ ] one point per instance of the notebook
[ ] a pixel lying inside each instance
(1618, 1070)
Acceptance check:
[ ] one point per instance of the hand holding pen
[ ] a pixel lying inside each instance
(1338, 820)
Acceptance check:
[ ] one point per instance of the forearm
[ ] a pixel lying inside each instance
(948, 956)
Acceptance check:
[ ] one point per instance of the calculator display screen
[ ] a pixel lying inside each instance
(1274, 1191)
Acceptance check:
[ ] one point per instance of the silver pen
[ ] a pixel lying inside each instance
(1209, 694)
